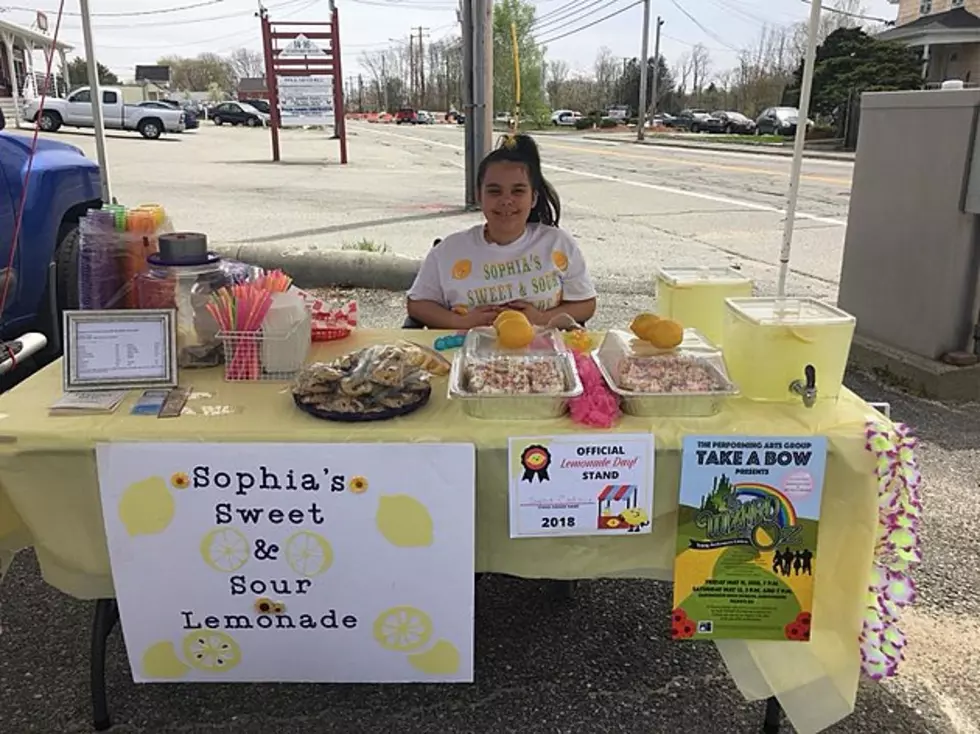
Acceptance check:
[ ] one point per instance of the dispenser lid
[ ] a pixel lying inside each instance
(183, 248)
(716, 275)
(788, 311)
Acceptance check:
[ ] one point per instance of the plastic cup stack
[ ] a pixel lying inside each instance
(98, 275)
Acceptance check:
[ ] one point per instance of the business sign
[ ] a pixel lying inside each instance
(335, 563)
(306, 100)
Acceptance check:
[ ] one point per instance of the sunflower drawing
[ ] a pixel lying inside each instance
(180, 480)
(358, 485)
(462, 269)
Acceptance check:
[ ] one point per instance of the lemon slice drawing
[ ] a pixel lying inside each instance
(160, 661)
(225, 549)
(402, 629)
(442, 659)
(146, 507)
(308, 554)
(404, 521)
(211, 651)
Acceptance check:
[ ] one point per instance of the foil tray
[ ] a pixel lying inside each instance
(522, 406)
(615, 348)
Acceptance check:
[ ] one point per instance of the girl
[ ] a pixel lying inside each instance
(519, 259)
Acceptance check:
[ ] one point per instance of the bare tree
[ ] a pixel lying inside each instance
(247, 63)
(606, 74)
(682, 72)
(555, 87)
(700, 63)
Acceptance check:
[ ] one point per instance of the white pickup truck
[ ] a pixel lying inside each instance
(76, 111)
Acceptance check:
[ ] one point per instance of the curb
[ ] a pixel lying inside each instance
(315, 268)
(759, 150)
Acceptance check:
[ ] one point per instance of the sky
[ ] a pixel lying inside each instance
(125, 36)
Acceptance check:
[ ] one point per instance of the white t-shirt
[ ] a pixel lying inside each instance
(544, 267)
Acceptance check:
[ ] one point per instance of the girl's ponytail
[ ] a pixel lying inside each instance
(521, 148)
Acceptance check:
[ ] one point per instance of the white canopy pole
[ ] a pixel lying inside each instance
(93, 82)
(794, 175)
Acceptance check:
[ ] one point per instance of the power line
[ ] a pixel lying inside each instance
(590, 25)
(579, 8)
(858, 16)
(698, 23)
(128, 14)
(565, 24)
(189, 21)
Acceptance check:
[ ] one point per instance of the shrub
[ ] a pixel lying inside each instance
(608, 122)
(584, 123)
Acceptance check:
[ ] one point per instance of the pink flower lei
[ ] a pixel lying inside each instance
(897, 546)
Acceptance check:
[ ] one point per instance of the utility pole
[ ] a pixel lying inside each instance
(656, 69)
(421, 66)
(411, 69)
(483, 76)
(641, 113)
(469, 110)
(360, 93)
(384, 81)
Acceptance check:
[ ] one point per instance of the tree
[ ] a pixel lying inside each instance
(521, 14)
(631, 84)
(849, 62)
(78, 73)
(700, 64)
(606, 76)
(557, 77)
(247, 63)
(200, 73)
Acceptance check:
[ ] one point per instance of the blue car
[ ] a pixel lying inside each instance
(43, 282)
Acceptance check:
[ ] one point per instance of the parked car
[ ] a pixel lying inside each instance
(76, 111)
(779, 121)
(63, 185)
(190, 119)
(262, 105)
(662, 119)
(692, 120)
(728, 122)
(238, 113)
(565, 118)
(406, 115)
(423, 117)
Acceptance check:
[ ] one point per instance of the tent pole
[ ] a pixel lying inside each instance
(794, 175)
(93, 82)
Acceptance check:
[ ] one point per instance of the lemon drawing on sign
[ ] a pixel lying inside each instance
(225, 549)
(442, 659)
(180, 480)
(404, 521)
(308, 554)
(160, 661)
(211, 651)
(358, 485)
(402, 629)
(146, 507)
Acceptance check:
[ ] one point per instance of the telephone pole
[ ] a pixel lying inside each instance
(384, 82)
(482, 77)
(641, 113)
(468, 80)
(656, 68)
(421, 65)
(411, 69)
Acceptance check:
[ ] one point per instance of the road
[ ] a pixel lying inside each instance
(601, 662)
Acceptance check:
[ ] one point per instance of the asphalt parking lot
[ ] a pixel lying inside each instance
(601, 662)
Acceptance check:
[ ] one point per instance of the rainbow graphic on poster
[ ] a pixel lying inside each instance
(746, 556)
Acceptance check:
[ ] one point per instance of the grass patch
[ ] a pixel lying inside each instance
(726, 139)
(366, 245)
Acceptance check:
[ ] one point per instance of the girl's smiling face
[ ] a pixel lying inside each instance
(506, 198)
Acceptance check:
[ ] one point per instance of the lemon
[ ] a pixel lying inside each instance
(515, 333)
(146, 507)
(442, 659)
(404, 521)
(507, 316)
(225, 549)
(642, 323)
(160, 661)
(308, 554)
(402, 629)
(212, 651)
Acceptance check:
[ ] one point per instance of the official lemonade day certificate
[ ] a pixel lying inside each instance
(747, 537)
(292, 562)
(581, 485)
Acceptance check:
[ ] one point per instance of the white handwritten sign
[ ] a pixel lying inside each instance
(292, 562)
(578, 484)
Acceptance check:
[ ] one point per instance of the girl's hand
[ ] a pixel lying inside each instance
(536, 317)
(479, 316)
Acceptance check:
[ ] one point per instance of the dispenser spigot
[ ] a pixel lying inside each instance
(807, 387)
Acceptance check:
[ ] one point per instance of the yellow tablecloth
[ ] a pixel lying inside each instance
(49, 498)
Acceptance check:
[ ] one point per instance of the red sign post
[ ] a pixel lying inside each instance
(324, 60)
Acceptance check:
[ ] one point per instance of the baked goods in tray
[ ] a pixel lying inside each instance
(669, 373)
(375, 383)
(515, 376)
